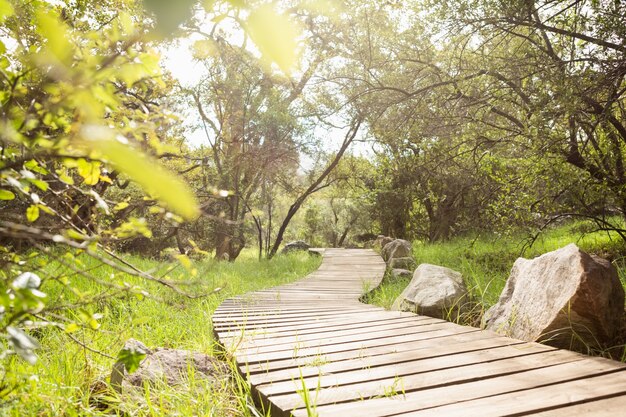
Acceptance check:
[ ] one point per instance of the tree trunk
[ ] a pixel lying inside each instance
(315, 186)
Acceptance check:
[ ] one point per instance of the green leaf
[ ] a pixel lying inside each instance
(32, 213)
(73, 234)
(6, 10)
(203, 49)
(90, 171)
(93, 323)
(63, 176)
(55, 33)
(72, 327)
(34, 166)
(131, 73)
(120, 206)
(6, 195)
(45, 209)
(42, 185)
(131, 358)
(147, 172)
(184, 261)
(275, 36)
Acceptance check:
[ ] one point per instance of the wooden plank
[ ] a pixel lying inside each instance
(608, 407)
(403, 364)
(537, 399)
(344, 351)
(249, 321)
(322, 333)
(291, 327)
(425, 349)
(244, 315)
(436, 378)
(432, 401)
(437, 330)
(335, 336)
(246, 339)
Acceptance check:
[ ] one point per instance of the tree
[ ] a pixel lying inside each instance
(464, 87)
(553, 77)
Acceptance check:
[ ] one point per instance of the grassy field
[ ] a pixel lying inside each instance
(69, 380)
(485, 261)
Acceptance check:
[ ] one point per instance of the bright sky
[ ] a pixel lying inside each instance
(178, 60)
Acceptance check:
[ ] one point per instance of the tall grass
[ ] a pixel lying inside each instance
(70, 379)
(485, 261)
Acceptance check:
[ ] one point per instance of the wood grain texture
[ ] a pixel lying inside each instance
(360, 360)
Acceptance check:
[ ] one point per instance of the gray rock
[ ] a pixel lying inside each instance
(169, 366)
(566, 298)
(398, 248)
(401, 273)
(381, 241)
(296, 245)
(434, 291)
(402, 263)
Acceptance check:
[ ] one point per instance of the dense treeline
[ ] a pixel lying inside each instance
(492, 114)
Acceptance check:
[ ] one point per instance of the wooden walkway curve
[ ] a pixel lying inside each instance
(313, 341)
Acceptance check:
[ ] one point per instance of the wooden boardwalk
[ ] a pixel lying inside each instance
(313, 341)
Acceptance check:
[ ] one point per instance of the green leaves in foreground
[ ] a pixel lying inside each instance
(147, 172)
(131, 358)
(275, 35)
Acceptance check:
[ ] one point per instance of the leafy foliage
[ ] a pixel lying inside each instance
(85, 114)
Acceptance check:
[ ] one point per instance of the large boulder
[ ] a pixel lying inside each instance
(434, 291)
(169, 366)
(398, 248)
(296, 245)
(566, 298)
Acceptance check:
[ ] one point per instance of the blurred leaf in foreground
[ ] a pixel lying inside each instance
(147, 172)
(275, 35)
(169, 14)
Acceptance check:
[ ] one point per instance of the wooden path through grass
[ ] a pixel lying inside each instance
(311, 348)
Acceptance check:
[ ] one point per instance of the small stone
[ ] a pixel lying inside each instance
(398, 248)
(297, 245)
(402, 263)
(381, 241)
(401, 273)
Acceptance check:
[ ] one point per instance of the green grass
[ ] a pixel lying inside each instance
(70, 380)
(485, 261)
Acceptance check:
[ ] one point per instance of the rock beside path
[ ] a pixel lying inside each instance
(296, 245)
(566, 298)
(401, 273)
(381, 241)
(433, 291)
(402, 263)
(398, 248)
(169, 366)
